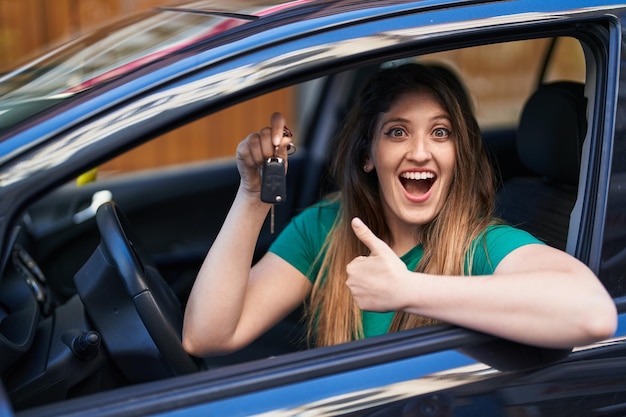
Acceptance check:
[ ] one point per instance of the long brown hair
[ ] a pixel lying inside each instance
(333, 315)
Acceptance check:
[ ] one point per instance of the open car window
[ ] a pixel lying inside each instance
(184, 180)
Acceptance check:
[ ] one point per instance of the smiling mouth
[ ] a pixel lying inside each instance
(417, 183)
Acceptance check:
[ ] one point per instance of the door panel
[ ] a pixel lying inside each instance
(176, 214)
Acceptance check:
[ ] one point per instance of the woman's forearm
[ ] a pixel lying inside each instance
(216, 300)
(558, 308)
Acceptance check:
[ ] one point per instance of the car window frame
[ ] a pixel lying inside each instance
(138, 134)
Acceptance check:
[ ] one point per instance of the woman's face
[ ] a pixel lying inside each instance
(413, 153)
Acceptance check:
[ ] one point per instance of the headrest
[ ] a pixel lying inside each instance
(552, 130)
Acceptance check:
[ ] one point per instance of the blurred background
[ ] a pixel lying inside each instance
(30, 27)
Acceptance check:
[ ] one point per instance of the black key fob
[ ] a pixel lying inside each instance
(273, 187)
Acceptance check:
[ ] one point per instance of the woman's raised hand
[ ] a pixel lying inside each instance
(375, 280)
(257, 147)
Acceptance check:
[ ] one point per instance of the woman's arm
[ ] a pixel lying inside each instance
(537, 295)
(231, 303)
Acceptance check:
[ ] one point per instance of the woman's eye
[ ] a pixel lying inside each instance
(441, 132)
(395, 132)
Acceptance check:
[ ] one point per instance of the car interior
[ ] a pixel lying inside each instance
(549, 141)
(163, 219)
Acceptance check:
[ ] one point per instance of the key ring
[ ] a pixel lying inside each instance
(291, 148)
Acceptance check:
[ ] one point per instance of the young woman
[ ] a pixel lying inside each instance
(408, 240)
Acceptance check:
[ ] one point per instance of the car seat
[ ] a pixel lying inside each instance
(549, 141)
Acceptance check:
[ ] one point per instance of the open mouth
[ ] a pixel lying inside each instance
(417, 183)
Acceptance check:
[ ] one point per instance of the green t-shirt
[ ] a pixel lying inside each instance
(301, 242)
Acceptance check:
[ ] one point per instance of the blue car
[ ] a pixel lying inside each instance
(95, 272)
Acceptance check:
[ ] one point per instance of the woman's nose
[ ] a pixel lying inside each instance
(418, 150)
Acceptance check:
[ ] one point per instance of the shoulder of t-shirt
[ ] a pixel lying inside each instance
(503, 231)
(302, 240)
(496, 243)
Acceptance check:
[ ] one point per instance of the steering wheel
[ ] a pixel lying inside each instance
(130, 304)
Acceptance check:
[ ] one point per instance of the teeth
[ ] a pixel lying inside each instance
(417, 175)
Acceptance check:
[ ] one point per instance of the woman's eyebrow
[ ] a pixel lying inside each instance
(394, 120)
(444, 117)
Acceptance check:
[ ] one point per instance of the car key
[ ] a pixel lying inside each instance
(273, 188)
(273, 180)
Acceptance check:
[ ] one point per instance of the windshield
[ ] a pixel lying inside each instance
(115, 50)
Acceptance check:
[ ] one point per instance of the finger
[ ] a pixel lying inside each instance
(278, 127)
(266, 142)
(365, 235)
(255, 149)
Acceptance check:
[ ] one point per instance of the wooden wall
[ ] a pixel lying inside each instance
(30, 26)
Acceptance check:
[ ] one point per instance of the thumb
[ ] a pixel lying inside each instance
(365, 235)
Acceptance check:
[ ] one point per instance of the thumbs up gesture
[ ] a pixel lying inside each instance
(376, 280)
